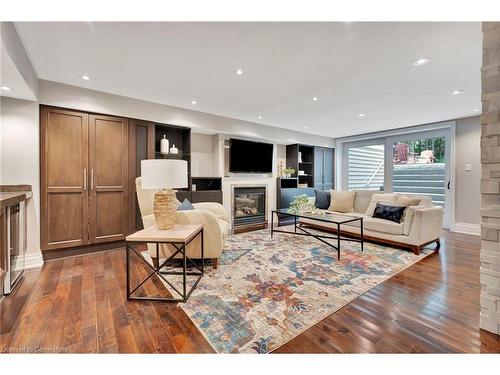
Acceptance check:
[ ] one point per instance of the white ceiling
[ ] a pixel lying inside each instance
(12, 78)
(351, 67)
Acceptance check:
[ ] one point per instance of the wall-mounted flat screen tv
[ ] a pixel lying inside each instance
(250, 157)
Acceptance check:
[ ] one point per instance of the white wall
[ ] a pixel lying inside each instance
(467, 183)
(65, 96)
(201, 155)
(19, 157)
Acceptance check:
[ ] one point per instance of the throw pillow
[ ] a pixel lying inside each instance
(322, 199)
(382, 198)
(342, 201)
(185, 206)
(406, 201)
(388, 212)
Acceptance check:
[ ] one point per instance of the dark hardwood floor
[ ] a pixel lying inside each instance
(78, 304)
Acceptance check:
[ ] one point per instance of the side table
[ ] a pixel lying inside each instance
(179, 237)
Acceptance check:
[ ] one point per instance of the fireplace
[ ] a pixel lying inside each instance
(249, 205)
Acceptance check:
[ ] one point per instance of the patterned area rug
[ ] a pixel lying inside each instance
(267, 291)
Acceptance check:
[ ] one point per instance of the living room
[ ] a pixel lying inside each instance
(166, 189)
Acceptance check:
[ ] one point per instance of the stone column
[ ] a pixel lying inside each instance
(490, 181)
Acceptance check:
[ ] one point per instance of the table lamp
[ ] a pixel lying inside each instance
(164, 175)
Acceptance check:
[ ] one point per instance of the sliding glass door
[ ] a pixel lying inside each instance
(420, 164)
(411, 163)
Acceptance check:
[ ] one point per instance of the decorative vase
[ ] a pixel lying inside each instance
(164, 145)
(300, 157)
(174, 150)
(165, 209)
(287, 175)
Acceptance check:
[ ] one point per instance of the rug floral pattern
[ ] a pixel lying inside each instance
(267, 291)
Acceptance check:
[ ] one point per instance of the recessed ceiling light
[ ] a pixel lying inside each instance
(314, 98)
(259, 117)
(5, 88)
(457, 92)
(393, 125)
(306, 127)
(361, 114)
(476, 110)
(86, 77)
(194, 102)
(239, 72)
(422, 61)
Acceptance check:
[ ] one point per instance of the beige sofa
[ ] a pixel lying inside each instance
(212, 215)
(421, 225)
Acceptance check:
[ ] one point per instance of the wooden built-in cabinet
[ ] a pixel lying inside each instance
(84, 178)
(108, 187)
(89, 163)
(64, 174)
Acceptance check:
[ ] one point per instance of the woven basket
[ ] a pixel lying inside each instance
(165, 209)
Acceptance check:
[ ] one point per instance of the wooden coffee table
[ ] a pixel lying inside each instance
(179, 237)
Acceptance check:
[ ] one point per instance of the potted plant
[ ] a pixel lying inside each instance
(287, 172)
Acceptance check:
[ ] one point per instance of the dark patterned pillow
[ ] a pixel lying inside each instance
(387, 212)
(322, 199)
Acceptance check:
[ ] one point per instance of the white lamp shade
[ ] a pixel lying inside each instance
(164, 174)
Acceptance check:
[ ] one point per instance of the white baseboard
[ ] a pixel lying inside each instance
(33, 260)
(474, 229)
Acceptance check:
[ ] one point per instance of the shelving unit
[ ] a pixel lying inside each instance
(317, 162)
(208, 189)
(301, 158)
(180, 137)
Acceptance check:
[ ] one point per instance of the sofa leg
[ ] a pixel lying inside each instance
(215, 262)
(438, 245)
(416, 250)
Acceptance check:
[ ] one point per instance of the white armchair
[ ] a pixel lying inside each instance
(212, 215)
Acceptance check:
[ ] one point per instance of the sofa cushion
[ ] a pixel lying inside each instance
(389, 212)
(322, 199)
(382, 198)
(356, 223)
(342, 201)
(382, 225)
(362, 200)
(408, 219)
(407, 201)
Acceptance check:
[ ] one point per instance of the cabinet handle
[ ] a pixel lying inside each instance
(84, 179)
(92, 179)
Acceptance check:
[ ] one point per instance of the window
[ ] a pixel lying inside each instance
(365, 167)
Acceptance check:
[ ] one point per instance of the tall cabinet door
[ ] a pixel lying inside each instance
(64, 188)
(108, 185)
(318, 168)
(329, 166)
